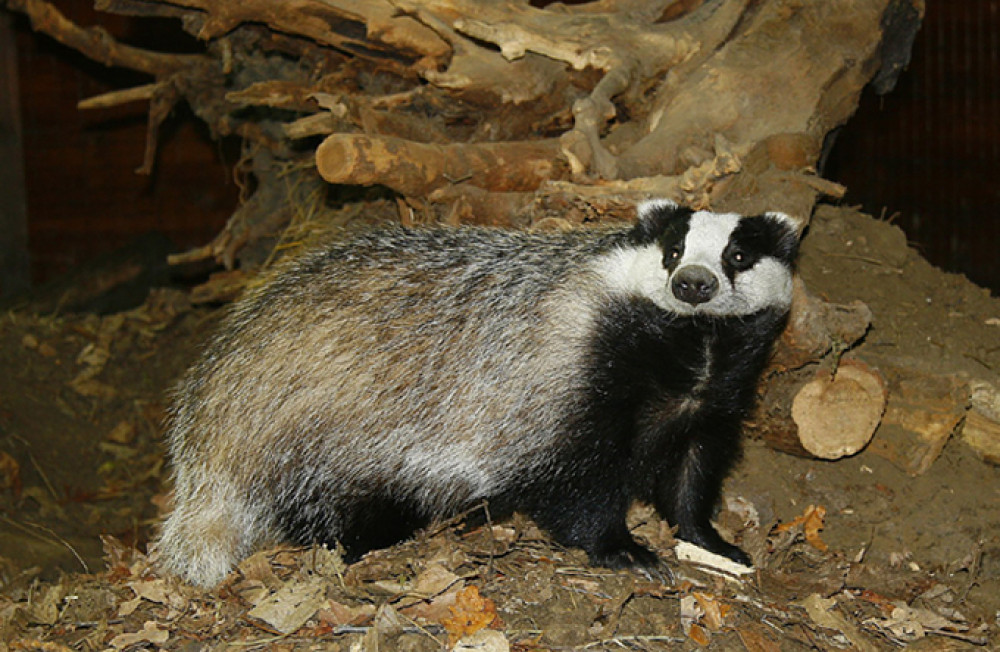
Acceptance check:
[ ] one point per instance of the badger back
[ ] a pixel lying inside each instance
(439, 364)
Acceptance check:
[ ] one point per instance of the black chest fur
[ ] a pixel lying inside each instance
(667, 397)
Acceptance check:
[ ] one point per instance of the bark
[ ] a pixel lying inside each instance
(417, 169)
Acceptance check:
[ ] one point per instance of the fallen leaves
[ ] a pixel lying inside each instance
(702, 614)
(471, 613)
(151, 632)
(811, 522)
(291, 606)
(10, 474)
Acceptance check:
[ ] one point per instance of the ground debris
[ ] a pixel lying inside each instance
(534, 596)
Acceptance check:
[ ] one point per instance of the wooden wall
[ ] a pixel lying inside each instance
(929, 152)
(14, 275)
(83, 195)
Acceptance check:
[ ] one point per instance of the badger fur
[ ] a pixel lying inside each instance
(405, 375)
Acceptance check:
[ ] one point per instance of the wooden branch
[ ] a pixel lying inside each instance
(472, 205)
(162, 102)
(97, 44)
(582, 145)
(387, 30)
(564, 34)
(475, 70)
(116, 98)
(416, 169)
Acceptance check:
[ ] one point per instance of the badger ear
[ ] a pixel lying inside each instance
(654, 216)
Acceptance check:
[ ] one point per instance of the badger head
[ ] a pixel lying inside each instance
(698, 262)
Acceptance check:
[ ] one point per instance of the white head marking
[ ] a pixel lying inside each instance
(644, 271)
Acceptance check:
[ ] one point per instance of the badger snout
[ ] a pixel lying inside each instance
(694, 284)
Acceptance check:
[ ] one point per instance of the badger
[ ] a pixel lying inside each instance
(404, 375)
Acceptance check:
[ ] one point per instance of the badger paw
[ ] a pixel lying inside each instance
(625, 555)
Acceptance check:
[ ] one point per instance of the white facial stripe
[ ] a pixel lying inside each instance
(768, 283)
(707, 237)
(784, 217)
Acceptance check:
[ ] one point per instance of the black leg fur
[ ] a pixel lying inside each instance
(673, 393)
(688, 496)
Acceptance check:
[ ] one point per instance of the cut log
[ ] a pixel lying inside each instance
(815, 327)
(821, 414)
(981, 430)
(836, 414)
(923, 412)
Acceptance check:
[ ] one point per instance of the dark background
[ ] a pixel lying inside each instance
(926, 156)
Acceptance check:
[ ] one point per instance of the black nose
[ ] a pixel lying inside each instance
(694, 284)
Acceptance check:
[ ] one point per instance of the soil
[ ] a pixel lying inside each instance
(853, 553)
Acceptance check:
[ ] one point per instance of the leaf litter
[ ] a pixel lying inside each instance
(903, 562)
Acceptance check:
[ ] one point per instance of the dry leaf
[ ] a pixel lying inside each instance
(290, 608)
(754, 640)
(434, 580)
(714, 611)
(471, 613)
(691, 613)
(337, 613)
(699, 635)
(44, 608)
(823, 612)
(485, 640)
(437, 609)
(10, 474)
(151, 633)
(908, 624)
(152, 590)
(811, 522)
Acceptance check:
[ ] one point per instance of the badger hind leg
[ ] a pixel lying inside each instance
(358, 519)
(208, 533)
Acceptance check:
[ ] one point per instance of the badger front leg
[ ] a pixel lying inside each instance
(689, 490)
(588, 511)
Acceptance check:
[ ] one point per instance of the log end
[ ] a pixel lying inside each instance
(837, 414)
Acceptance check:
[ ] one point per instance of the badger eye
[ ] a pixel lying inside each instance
(675, 253)
(738, 256)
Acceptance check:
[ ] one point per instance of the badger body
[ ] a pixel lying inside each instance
(405, 375)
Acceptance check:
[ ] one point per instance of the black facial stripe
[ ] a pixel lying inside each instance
(654, 225)
(764, 235)
(672, 242)
(736, 259)
(756, 237)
